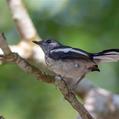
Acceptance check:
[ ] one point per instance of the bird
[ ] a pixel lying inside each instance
(72, 64)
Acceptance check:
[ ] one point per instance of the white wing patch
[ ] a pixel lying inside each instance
(66, 50)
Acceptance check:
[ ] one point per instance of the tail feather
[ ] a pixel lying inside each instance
(111, 55)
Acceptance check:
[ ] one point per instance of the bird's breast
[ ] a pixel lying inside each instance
(68, 68)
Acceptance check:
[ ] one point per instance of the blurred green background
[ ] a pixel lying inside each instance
(92, 25)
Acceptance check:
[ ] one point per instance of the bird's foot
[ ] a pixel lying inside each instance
(76, 84)
(60, 79)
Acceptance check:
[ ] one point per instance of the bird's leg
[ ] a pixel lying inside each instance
(59, 78)
(69, 84)
(77, 82)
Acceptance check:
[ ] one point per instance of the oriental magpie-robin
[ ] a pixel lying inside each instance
(73, 64)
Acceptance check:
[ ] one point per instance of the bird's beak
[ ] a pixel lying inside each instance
(37, 42)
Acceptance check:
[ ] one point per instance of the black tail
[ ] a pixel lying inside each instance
(111, 55)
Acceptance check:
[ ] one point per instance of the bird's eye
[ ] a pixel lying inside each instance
(48, 41)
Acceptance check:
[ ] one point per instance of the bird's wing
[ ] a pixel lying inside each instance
(111, 55)
(68, 53)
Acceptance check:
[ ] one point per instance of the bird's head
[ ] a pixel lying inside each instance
(48, 44)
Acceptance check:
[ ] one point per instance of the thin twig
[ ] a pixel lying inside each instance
(5, 48)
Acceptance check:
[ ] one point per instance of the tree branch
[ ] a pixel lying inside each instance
(23, 22)
(24, 65)
(71, 98)
(26, 31)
